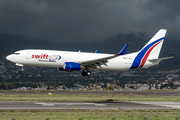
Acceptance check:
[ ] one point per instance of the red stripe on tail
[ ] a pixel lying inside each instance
(147, 54)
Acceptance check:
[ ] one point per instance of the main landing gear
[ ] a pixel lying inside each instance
(86, 73)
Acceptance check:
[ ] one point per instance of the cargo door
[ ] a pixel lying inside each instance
(27, 54)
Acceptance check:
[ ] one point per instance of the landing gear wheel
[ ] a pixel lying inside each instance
(86, 73)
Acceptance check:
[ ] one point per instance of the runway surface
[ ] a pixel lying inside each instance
(158, 93)
(32, 105)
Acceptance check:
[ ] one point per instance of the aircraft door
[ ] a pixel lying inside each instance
(27, 54)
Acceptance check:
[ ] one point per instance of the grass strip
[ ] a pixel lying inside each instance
(101, 114)
(87, 97)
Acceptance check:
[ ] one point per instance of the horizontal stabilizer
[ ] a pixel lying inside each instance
(159, 59)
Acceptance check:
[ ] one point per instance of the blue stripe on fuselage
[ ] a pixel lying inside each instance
(138, 58)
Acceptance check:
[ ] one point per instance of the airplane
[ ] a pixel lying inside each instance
(75, 61)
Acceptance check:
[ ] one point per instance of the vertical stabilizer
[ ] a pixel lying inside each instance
(151, 50)
(155, 43)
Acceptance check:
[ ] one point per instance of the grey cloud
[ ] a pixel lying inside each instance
(87, 20)
(20, 13)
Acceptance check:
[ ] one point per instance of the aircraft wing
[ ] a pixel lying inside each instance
(96, 63)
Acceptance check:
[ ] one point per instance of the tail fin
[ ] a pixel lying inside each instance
(151, 50)
(155, 44)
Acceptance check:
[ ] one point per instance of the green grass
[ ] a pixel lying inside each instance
(89, 114)
(88, 97)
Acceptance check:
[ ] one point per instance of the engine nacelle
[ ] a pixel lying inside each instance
(71, 66)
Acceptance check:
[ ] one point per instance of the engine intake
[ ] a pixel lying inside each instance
(71, 66)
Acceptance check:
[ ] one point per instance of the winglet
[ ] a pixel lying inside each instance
(96, 51)
(123, 50)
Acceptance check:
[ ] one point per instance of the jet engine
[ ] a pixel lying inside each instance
(71, 66)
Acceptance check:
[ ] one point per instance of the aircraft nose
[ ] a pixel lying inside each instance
(8, 57)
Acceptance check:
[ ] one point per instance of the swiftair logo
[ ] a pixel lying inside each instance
(46, 56)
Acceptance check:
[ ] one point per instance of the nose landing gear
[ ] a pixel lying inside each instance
(86, 73)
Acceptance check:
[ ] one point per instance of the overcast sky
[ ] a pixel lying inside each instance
(87, 20)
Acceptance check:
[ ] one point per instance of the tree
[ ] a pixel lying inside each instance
(171, 84)
(3, 86)
(110, 88)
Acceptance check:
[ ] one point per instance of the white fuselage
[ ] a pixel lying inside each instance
(69, 61)
(52, 58)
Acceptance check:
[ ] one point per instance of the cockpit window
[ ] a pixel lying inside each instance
(17, 53)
